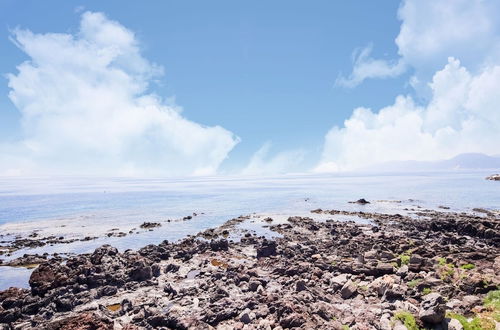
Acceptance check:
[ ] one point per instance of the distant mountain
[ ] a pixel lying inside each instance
(469, 161)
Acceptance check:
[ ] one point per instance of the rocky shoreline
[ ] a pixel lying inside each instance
(429, 269)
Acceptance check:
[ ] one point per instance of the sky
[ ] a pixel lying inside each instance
(178, 88)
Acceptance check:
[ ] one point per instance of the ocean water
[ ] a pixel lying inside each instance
(78, 207)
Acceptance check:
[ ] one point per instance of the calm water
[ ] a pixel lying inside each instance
(82, 206)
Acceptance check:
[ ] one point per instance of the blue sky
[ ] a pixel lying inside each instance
(265, 71)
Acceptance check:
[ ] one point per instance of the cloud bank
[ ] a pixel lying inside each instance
(461, 113)
(86, 109)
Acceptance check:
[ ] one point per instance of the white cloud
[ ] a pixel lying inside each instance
(85, 109)
(454, 50)
(462, 116)
(282, 162)
(366, 67)
(431, 31)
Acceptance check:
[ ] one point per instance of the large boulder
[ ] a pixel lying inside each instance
(432, 309)
(348, 289)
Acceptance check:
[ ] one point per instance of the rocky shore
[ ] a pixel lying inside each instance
(426, 269)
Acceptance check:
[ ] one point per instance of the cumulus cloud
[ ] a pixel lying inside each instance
(463, 116)
(432, 31)
(453, 48)
(282, 162)
(367, 67)
(85, 108)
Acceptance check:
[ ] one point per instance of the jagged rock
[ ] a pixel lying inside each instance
(300, 286)
(348, 289)
(338, 281)
(381, 284)
(219, 245)
(432, 309)
(267, 249)
(294, 320)
(402, 271)
(141, 272)
(149, 225)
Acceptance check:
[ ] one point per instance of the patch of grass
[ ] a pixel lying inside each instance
(492, 299)
(426, 291)
(447, 271)
(345, 327)
(408, 320)
(477, 323)
(468, 266)
(405, 259)
(442, 261)
(413, 283)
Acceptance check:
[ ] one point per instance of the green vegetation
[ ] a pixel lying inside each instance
(468, 266)
(476, 323)
(442, 261)
(405, 259)
(447, 271)
(426, 291)
(363, 288)
(408, 320)
(414, 283)
(345, 327)
(492, 299)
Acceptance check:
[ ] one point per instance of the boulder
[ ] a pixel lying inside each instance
(338, 281)
(348, 289)
(219, 245)
(267, 249)
(432, 309)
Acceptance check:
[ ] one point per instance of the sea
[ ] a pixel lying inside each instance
(75, 207)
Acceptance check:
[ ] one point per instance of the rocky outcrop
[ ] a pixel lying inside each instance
(316, 274)
(493, 177)
(432, 309)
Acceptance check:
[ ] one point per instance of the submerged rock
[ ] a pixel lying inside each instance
(493, 177)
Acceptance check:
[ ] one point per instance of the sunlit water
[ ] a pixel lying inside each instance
(85, 206)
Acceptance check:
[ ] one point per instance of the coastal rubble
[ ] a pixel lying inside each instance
(432, 269)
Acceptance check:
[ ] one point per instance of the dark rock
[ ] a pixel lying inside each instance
(172, 268)
(348, 289)
(300, 286)
(149, 225)
(141, 272)
(108, 291)
(219, 245)
(493, 177)
(293, 320)
(362, 201)
(267, 249)
(100, 252)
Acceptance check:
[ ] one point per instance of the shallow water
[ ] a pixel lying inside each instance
(79, 207)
